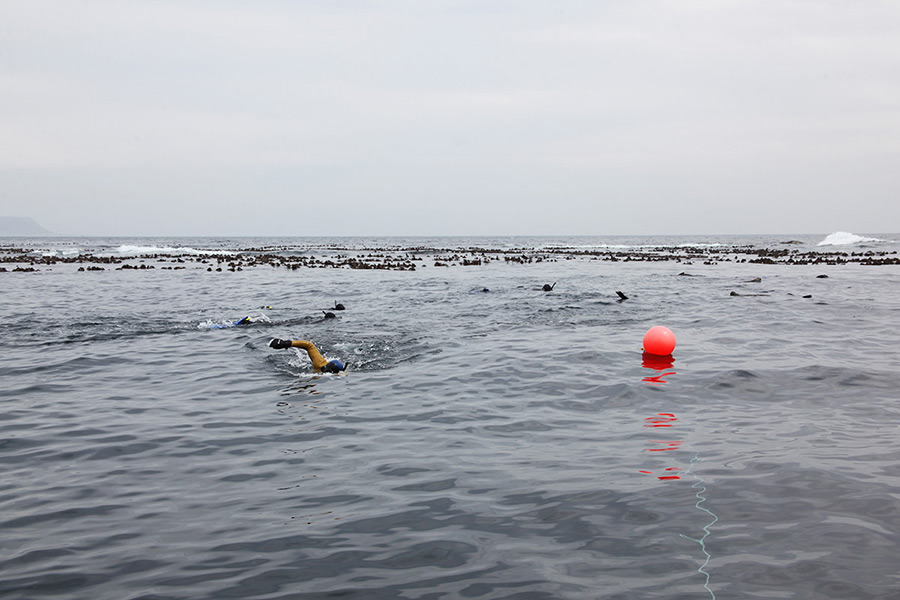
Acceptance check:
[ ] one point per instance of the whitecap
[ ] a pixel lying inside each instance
(131, 250)
(58, 252)
(844, 238)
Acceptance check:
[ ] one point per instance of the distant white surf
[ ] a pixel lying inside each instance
(844, 238)
(129, 250)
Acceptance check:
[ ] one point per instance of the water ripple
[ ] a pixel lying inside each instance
(480, 445)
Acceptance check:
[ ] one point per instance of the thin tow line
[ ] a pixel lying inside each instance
(701, 489)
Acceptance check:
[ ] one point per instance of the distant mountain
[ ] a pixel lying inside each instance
(21, 227)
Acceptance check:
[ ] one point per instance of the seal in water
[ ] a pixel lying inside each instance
(549, 288)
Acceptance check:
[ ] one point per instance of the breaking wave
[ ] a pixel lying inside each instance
(844, 238)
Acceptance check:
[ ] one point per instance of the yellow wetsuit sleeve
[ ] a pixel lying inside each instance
(315, 356)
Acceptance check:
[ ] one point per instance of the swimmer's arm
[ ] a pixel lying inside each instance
(315, 356)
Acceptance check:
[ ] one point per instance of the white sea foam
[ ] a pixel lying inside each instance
(130, 250)
(844, 238)
(61, 252)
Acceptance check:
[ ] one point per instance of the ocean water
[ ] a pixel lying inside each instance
(488, 440)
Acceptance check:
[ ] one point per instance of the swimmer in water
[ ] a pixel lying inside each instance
(238, 323)
(320, 365)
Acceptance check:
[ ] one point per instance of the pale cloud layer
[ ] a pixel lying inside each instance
(450, 118)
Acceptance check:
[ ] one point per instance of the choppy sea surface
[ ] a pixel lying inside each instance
(488, 439)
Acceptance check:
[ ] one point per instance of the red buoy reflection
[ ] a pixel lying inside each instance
(663, 420)
(657, 363)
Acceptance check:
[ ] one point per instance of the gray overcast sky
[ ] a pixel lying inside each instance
(450, 117)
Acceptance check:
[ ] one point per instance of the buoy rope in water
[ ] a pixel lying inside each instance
(701, 489)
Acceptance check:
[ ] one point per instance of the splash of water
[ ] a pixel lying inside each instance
(844, 238)
(701, 489)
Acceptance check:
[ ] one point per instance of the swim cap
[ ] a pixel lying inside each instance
(334, 366)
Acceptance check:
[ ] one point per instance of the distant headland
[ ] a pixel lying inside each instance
(21, 227)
